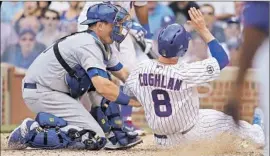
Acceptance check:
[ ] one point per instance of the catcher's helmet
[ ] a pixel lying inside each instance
(173, 41)
(105, 12)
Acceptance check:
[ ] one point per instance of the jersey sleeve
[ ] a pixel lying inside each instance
(198, 72)
(127, 90)
(130, 85)
(90, 56)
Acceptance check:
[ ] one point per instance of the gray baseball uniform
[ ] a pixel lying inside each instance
(126, 54)
(47, 73)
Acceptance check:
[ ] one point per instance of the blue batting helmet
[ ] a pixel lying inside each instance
(173, 41)
(105, 12)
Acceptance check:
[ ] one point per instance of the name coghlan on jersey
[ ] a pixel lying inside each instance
(158, 80)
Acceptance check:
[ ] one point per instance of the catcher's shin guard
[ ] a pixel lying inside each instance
(111, 125)
(109, 118)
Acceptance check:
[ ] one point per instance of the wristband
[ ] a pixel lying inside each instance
(122, 98)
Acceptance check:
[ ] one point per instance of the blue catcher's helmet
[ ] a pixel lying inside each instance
(173, 41)
(105, 12)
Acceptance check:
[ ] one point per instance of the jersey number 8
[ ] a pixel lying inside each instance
(161, 98)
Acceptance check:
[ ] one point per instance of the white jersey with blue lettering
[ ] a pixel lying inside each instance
(170, 100)
(167, 92)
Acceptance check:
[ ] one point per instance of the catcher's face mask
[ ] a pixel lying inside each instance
(121, 25)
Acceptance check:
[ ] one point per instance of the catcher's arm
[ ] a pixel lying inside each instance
(121, 74)
(112, 92)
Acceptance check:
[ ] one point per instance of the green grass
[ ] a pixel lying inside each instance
(7, 128)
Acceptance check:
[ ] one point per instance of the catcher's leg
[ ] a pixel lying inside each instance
(211, 123)
(86, 102)
(108, 116)
(64, 106)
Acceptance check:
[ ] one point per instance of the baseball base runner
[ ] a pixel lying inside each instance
(167, 89)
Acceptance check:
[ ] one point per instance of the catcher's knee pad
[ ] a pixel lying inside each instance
(50, 120)
(48, 135)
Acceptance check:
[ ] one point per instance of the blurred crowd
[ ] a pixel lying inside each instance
(28, 28)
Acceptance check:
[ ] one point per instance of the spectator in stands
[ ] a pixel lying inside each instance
(223, 10)
(69, 19)
(9, 10)
(233, 39)
(238, 7)
(208, 12)
(80, 7)
(30, 9)
(59, 6)
(8, 36)
(233, 33)
(50, 32)
(24, 53)
(30, 22)
(43, 6)
(157, 12)
(181, 8)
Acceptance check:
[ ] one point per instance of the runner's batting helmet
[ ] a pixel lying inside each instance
(173, 41)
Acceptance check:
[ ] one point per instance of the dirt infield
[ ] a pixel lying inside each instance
(223, 147)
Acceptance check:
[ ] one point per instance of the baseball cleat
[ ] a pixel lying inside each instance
(117, 146)
(129, 125)
(16, 139)
(140, 132)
